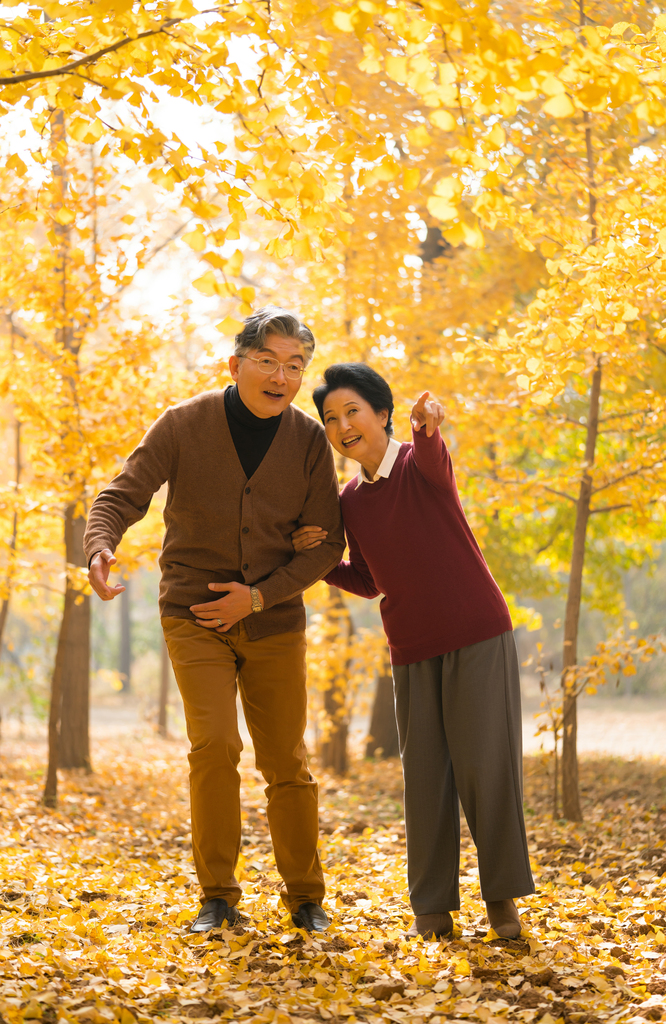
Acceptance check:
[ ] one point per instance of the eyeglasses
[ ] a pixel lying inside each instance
(266, 364)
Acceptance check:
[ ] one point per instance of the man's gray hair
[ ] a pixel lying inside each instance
(273, 320)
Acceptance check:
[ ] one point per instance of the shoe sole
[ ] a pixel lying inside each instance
(226, 923)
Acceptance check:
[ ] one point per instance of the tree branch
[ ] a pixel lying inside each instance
(625, 476)
(561, 494)
(68, 69)
(615, 508)
(608, 508)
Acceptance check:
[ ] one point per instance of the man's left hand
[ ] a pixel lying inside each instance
(220, 615)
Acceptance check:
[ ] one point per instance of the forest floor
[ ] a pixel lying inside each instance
(95, 900)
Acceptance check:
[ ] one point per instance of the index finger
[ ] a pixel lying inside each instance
(209, 604)
(421, 401)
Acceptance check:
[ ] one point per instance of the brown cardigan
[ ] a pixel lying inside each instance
(221, 527)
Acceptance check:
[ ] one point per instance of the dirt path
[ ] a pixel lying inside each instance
(624, 727)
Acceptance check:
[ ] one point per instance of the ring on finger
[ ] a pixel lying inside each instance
(219, 622)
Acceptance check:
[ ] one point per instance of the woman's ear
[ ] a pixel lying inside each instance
(383, 417)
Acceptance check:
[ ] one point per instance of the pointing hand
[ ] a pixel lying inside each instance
(427, 412)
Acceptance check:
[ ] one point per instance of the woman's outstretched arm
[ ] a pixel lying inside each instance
(430, 453)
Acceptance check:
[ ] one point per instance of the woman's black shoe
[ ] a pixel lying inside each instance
(311, 917)
(214, 914)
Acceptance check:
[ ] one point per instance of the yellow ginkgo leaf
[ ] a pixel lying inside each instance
(410, 178)
(343, 21)
(196, 239)
(441, 208)
(442, 119)
(230, 325)
(207, 284)
(65, 216)
(449, 188)
(559, 106)
(343, 95)
(419, 137)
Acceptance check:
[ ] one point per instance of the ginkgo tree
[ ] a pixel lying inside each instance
(588, 353)
(84, 381)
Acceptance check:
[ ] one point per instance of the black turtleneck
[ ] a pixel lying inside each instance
(251, 435)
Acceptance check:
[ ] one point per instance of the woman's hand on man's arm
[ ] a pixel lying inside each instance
(307, 537)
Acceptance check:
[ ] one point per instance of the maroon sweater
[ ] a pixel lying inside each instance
(409, 540)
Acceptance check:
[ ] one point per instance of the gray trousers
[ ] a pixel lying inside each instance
(460, 730)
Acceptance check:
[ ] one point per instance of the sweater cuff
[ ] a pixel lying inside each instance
(420, 436)
(95, 545)
(278, 587)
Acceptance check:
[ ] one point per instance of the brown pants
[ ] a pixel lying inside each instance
(271, 678)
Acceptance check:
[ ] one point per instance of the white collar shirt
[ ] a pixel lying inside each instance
(385, 466)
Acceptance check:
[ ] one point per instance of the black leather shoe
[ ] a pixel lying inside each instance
(311, 917)
(214, 914)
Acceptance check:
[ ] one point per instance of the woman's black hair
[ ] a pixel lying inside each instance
(362, 379)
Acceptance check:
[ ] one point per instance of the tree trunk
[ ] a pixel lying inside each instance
(74, 640)
(75, 643)
(4, 611)
(164, 692)
(383, 736)
(570, 792)
(333, 749)
(125, 653)
(50, 797)
(4, 607)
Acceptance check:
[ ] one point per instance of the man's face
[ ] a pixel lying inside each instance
(269, 394)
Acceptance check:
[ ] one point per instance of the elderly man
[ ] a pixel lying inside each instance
(244, 468)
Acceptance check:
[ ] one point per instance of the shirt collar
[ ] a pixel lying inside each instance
(236, 408)
(385, 466)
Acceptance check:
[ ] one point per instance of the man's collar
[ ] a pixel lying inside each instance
(385, 466)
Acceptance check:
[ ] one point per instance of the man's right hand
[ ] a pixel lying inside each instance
(98, 575)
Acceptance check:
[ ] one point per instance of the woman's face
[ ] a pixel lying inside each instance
(354, 428)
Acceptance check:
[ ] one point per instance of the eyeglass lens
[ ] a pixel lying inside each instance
(267, 365)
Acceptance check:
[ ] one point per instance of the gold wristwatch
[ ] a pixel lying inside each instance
(256, 600)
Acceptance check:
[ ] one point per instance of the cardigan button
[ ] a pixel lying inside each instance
(245, 566)
(246, 529)
(247, 490)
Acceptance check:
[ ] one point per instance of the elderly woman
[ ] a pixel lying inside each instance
(455, 669)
